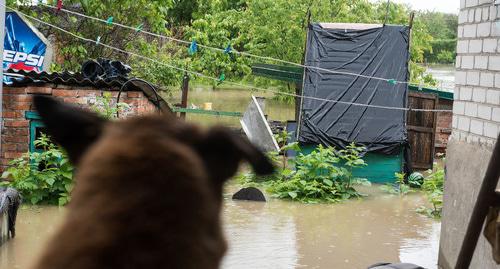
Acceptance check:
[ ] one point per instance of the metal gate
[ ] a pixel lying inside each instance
(422, 129)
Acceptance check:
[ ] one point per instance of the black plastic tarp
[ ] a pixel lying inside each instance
(376, 52)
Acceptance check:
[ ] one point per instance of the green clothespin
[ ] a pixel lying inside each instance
(139, 28)
(109, 21)
(392, 81)
(222, 77)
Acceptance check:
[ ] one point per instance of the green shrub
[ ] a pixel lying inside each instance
(433, 187)
(42, 177)
(399, 187)
(46, 177)
(324, 175)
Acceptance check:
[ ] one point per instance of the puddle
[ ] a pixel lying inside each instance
(281, 234)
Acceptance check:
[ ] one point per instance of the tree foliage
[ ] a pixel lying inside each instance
(443, 28)
(272, 28)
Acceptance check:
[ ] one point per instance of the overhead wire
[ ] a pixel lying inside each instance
(266, 58)
(97, 43)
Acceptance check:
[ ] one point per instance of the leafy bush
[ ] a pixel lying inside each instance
(433, 187)
(324, 175)
(399, 188)
(42, 177)
(46, 177)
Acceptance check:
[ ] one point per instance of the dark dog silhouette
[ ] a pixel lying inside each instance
(148, 191)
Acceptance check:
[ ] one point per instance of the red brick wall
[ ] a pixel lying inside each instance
(16, 101)
(443, 126)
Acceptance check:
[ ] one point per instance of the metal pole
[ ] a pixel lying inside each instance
(2, 36)
(485, 199)
(185, 89)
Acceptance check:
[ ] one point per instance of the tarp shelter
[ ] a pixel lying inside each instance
(380, 51)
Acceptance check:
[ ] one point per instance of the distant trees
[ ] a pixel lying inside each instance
(443, 28)
(273, 28)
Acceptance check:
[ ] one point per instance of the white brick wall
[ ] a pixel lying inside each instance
(470, 30)
(490, 45)
(473, 77)
(476, 109)
(481, 62)
(475, 46)
(493, 97)
(487, 79)
(483, 29)
(479, 95)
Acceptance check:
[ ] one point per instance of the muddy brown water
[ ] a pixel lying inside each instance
(282, 234)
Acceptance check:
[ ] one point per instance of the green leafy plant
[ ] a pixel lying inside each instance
(42, 177)
(46, 177)
(433, 187)
(324, 175)
(399, 187)
(105, 106)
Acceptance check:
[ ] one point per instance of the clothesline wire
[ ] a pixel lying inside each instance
(95, 42)
(267, 58)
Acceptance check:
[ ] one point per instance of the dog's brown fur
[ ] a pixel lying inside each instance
(148, 190)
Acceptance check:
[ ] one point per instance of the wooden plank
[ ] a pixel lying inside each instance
(207, 112)
(421, 128)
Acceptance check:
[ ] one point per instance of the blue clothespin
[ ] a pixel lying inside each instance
(109, 21)
(228, 49)
(193, 48)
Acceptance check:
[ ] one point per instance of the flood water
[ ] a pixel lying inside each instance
(237, 100)
(282, 234)
(444, 75)
(232, 100)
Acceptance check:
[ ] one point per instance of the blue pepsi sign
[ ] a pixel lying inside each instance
(24, 49)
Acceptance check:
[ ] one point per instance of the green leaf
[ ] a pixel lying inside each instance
(292, 194)
(6, 174)
(328, 182)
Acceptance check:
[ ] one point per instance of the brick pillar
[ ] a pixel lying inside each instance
(476, 124)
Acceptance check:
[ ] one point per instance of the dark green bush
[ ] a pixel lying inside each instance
(42, 177)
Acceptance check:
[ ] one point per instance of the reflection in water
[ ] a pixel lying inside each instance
(281, 234)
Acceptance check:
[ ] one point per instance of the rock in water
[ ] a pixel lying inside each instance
(395, 266)
(250, 194)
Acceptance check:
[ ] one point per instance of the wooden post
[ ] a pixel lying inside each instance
(185, 89)
(298, 88)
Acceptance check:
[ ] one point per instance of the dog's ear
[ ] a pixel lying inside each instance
(73, 128)
(222, 151)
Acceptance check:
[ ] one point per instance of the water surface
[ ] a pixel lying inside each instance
(282, 234)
